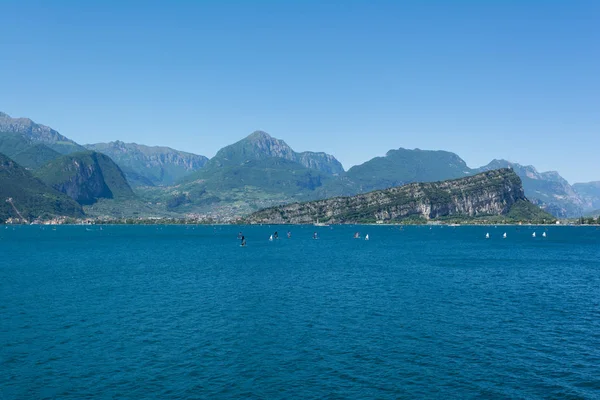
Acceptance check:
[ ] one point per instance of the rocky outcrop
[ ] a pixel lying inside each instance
(320, 161)
(23, 196)
(487, 194)
(86, 177)
(150, 165)
(547, 189)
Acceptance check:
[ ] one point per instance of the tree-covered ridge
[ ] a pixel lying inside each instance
(29, 196)
(24, 151)
(86, 177)
(403, 166)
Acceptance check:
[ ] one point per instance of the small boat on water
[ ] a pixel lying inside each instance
(320, 223)
(367, 236)
(533, 234)
(544, 234)
(504, 236)
(487, 235)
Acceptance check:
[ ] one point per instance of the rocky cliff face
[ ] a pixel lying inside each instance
(38, 133)
(150, 165)
(85, 183)
(86, 177)
(320, 161)
(29, 197)
(589, 193)
(547, 189)
(490, 193)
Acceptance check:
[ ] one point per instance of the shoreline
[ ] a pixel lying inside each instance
(311, 225)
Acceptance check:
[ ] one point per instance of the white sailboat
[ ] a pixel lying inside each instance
(504, 236)
(320, 223)
(367, 237)
(533, 234)
(544, 234)
(487, 235)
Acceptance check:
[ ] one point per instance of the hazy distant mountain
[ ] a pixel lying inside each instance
(260, 145)
(589, 193)
(38, 133)
(26, 152)
(545, 188)
(86, 177)
(146, 165)
(29, 195)
(402, 166)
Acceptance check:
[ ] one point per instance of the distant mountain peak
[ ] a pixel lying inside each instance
(38, 132)
(259, 135)
(150, 165)
(259, 145)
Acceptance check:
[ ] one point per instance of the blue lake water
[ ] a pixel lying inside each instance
(184, 312)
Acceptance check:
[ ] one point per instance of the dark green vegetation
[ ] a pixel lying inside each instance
(31, 197)
(24, 151)
(253, 173)
(150, 166)
(489, 196)
(239, 189)
(86, 177)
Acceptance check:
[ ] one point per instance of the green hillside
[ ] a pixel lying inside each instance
(261, 146)
(24, 151)
(13, 143)
(35, 156)
(150, 165)
(86, 177)
(246, 187)
(402, 166)
(31, 197)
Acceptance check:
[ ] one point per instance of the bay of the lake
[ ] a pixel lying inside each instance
(129, 312)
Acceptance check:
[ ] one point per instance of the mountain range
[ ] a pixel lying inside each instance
(256, 172)
(491, 196)
(150, 166)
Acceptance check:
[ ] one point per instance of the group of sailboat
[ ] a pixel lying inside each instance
(504, 235)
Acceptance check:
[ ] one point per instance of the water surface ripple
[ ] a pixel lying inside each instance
(184, 312)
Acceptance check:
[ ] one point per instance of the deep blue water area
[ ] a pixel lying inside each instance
(130, 312)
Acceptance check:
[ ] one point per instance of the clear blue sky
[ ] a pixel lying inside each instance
(508, 79)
